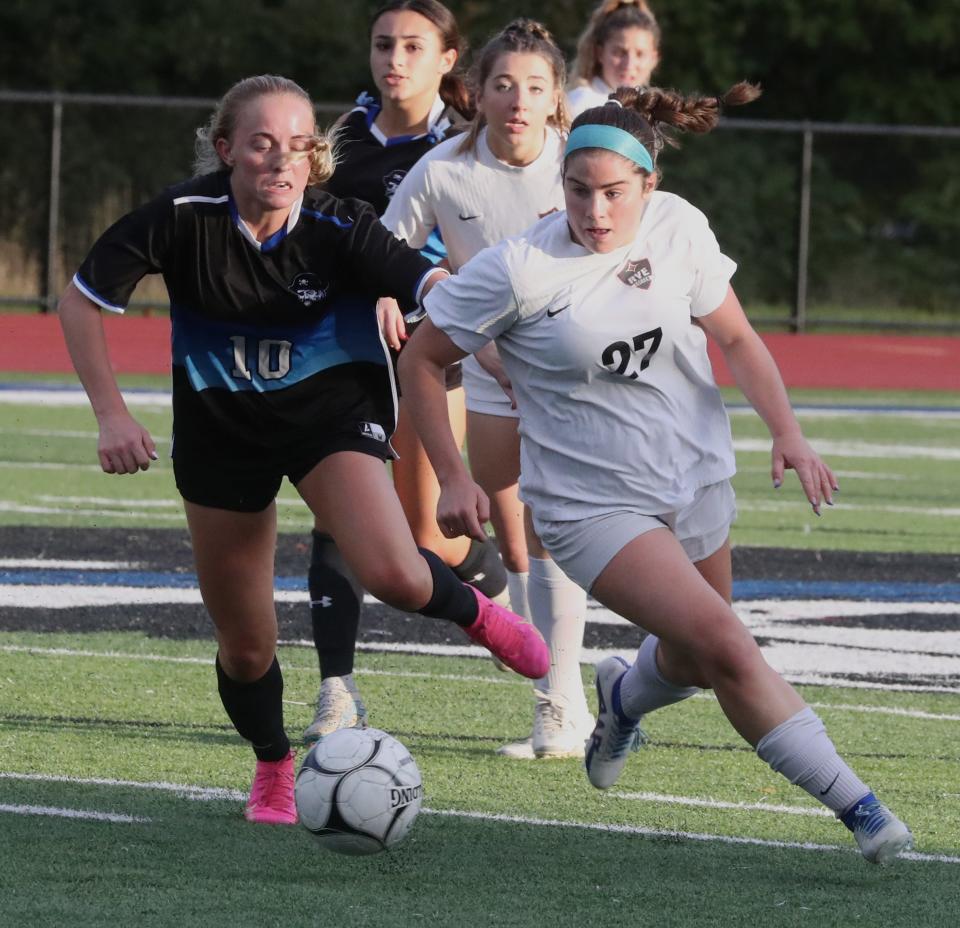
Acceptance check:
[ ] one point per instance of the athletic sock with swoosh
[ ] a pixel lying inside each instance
(802, 751)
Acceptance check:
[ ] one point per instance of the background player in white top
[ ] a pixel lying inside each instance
(279, 371)
(601, 316)
(415, 49)
(494, 182)
(619, 48)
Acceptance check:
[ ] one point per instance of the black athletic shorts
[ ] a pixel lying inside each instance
(218, 464)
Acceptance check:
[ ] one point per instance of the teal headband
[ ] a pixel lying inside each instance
(593, 135)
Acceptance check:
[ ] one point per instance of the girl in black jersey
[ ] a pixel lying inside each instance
(278, 370)
(415, 48)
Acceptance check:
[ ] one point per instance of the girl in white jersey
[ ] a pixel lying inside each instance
(415, 49)
(601, 316)
(619, 48)
(497, 180)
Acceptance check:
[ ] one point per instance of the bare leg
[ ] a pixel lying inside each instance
(494, 446)
(417, 486)
(652, 583)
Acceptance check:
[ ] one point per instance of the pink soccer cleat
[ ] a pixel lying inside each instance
(271, 794)
(515, 642)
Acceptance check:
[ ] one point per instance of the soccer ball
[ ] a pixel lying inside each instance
(358, 791)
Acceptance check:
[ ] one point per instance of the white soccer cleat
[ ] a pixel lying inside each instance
(338, 706)
(881, 836)
(615, 735)
(558, 732)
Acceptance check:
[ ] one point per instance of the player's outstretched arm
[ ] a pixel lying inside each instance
(756, 373)
(463, 507)
(124, 446)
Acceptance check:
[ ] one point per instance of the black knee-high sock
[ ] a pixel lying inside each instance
(483, 568)
(451, 599)
(336, 598)
(256, 710)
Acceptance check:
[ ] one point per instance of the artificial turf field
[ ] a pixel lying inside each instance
(121, 780)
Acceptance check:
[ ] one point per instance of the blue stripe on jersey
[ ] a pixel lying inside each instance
(267, 244)
(238, 356)
(339, 223)
(433, 249)
(92, 294)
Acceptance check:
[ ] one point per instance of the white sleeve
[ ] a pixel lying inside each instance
(410, 215)
(712, 269)
(476, 304)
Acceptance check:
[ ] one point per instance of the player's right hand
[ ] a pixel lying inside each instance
(124, 446)
(462, 509)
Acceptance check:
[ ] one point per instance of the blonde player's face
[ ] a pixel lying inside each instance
(605, 197)
(517, 99)
(407, 59)
(269, 153)
(628, 57)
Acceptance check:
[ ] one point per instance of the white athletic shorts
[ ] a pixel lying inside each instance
(483, 393)
(584, 547)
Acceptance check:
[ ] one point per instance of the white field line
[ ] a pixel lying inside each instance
(42, 563)
(786, 505)
(115, 501)
(185, 791)
(68, 396)
(70, 504)
(858, 449)
(678, 835)
(502, 680)
(840, 474)
(197, 792)
(111, 817)
(49, 465)
(8, 506)
(860, 412)
(694, 803)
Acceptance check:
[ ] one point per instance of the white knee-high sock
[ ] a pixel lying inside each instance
(558, 608)
(517, 591)
(802, 751)
(643, 688)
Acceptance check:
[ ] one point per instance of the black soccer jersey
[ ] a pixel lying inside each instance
(258, 326)
(371, 165)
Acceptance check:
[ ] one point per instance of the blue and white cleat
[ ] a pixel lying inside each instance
(879, 833)
(615, 735)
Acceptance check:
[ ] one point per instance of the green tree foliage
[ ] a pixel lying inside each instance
(884, 228)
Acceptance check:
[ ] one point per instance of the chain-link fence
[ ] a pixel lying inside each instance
(832, 224)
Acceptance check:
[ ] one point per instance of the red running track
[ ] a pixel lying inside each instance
(141, 345)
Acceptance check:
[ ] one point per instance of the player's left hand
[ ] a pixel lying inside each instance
(793, 451)
(462, 509)
(391, 322)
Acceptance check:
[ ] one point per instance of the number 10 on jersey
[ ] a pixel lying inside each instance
(273, 358)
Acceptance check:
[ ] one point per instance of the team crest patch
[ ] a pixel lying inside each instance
(392, 180)
(637, 274)
(308, 288)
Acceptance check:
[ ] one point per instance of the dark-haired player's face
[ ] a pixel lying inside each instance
(605, 197)
(269, 153)
(407, 59)
(628, 57)
(517, 99)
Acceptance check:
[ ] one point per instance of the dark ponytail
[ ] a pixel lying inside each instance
(650, 115)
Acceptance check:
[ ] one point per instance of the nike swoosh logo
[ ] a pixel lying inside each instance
(824, 792)
(468, 218)
(556, 312)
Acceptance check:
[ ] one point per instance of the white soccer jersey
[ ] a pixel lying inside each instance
(618, 404)
(585, 96)
(474, 199)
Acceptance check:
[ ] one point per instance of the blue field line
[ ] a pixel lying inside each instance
(745, 589)
(53, 387)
